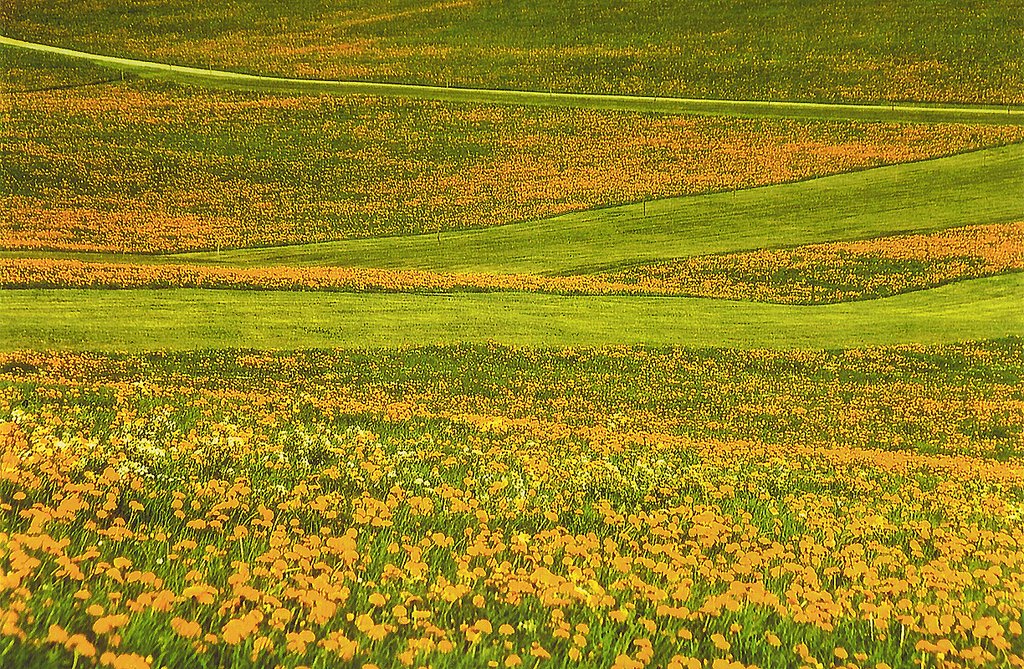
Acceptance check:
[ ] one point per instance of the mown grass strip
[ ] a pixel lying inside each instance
(189, 319)
(908, 113)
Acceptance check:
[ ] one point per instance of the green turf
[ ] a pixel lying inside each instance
(756, 49)
(187, 319)
(1001, 114)
(975, 188)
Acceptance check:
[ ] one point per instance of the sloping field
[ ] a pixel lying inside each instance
(975, 188)
(343, 456)
(1008, 112)
(978, 188)
(808, 274)
(869, 50)
(147, 168)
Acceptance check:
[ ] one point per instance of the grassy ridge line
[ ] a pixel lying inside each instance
(748, 108)
(136, 320)
(973, 188)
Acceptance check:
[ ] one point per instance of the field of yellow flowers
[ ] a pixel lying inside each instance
(481, 506)
(137, 166)
(869, 50)
(484, 505)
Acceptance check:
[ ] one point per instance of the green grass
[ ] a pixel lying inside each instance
(889, 112)
(187, 319)
(745, 49)
(25, 70)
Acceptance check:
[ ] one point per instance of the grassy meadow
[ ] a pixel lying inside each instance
(863, 50)
(456, 346)
(144, 167)
(809, 274)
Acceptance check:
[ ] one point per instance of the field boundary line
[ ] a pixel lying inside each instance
(220, 79)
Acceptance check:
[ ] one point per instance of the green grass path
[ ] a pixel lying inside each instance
(751, 108)
(187, 319)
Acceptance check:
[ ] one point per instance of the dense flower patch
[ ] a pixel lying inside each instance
(483, 506)
(53, 273)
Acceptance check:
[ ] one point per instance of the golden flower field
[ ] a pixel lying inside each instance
(485, 506)
(925, 51)
(236, 170)
(838, 271)
(590, 462)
